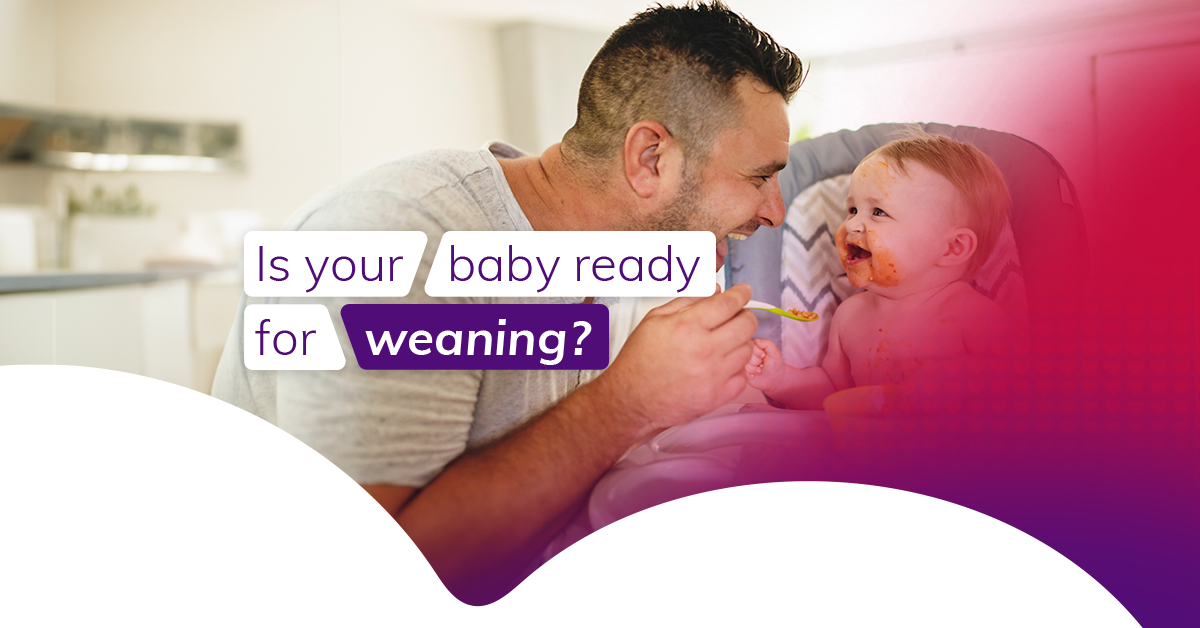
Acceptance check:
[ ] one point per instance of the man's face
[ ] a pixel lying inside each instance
(897, 224)
(737, 189)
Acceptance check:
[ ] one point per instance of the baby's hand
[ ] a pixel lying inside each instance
(766, 370)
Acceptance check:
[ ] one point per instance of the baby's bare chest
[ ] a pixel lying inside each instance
(884, 349)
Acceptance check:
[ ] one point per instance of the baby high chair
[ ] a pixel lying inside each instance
(1038, 263)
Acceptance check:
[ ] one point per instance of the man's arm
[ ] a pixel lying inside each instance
(492, 510)
(392, 498)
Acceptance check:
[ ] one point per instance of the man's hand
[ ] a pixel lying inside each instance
(495, 508)
(684, 359)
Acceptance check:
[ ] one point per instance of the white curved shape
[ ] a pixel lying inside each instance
(128, 500)
(819, 554)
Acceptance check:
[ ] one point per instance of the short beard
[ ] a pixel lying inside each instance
(682, 212)
(687, 212)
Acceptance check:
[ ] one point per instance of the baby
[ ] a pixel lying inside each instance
(924, 213)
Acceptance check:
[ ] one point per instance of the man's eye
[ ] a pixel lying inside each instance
(878, 212)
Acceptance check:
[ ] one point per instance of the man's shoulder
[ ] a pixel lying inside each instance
(455, 188)
(426, 172)
(418, 176)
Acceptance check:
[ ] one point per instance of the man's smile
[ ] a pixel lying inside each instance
(741, 233)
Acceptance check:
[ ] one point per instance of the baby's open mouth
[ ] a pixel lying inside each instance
(855, 253)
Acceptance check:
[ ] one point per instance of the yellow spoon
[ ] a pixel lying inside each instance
(767, 307)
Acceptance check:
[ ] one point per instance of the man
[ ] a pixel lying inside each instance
(681, 126)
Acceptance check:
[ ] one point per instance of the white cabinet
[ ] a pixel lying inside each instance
(27, 328)
(139, 328)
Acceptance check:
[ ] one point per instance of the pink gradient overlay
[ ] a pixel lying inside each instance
(1081, 429)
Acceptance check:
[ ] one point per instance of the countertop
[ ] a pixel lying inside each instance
(70, 280)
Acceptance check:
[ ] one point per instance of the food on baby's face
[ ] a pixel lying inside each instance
(867, 260)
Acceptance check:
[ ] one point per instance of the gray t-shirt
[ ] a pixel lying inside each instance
(400, 427)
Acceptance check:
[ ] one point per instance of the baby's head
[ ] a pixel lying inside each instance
(922, 209)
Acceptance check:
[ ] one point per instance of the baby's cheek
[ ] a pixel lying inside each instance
(887, 270)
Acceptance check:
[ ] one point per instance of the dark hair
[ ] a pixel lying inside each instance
(676, 66)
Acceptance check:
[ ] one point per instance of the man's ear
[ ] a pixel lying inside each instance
(962, 245)
(653, 161)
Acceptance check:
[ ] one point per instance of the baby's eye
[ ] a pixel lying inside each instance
(853, 211)
(878, 212)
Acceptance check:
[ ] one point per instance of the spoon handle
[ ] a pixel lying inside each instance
(767, 307)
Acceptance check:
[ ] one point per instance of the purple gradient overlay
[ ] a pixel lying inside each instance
(1086, 434)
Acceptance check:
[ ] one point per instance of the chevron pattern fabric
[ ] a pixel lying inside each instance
(813, 278)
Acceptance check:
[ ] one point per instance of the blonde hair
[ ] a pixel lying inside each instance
(979, 182)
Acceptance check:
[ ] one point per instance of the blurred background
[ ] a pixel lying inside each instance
(140, 139)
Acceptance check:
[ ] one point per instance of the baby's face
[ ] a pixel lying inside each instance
(897, 225)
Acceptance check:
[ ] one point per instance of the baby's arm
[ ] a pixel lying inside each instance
(800, 389)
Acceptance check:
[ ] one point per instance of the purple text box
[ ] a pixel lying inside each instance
(463, 336)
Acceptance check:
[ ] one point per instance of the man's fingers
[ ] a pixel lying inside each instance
(733, 387)
(674, 305)
(717, 309)
(735, 360)
(736, 331)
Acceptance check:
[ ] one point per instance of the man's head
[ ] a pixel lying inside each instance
(676, 66)
(920, 203)
(683, 101)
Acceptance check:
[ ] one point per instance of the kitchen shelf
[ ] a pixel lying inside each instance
(75, 141)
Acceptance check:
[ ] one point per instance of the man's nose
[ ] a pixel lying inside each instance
(771, 212)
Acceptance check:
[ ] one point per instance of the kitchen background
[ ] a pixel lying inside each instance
(266, 102)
